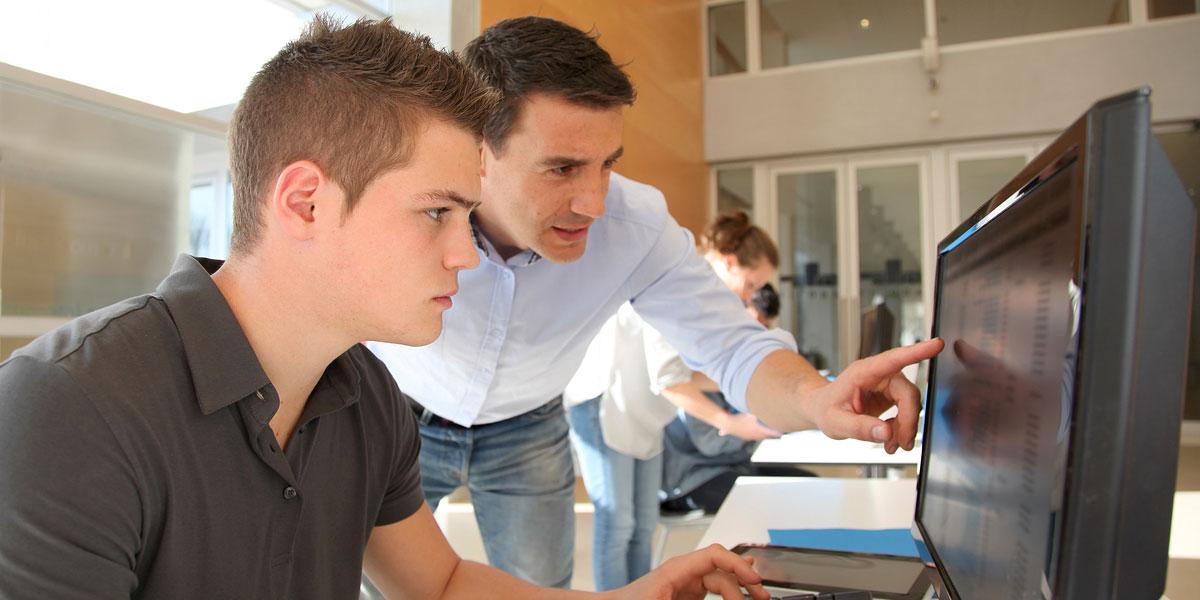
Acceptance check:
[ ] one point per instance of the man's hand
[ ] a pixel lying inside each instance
(711, 570)
(849, 407)
(746, 427)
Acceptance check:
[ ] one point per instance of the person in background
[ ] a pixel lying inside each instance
(764, 305)
(628, 388)
(701, 462)
(226, 436)
(564, 241)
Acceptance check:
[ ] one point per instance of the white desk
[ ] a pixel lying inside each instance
(758, 503)
(1185, 526)
(814, 448)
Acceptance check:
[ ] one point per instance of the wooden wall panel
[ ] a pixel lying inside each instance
(659, 42)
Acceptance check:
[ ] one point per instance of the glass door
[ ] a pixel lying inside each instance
(855, 245)
(890, 230)
(807, 205)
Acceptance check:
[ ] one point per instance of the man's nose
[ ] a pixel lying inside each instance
(589, 200)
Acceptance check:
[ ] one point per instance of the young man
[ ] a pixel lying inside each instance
(226, 436)
(564, 242)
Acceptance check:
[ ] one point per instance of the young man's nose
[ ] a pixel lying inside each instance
(461, 252)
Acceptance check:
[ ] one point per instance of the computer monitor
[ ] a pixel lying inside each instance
(1051, 428)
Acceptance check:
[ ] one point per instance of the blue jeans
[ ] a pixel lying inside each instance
(624, 491)
(522, 486)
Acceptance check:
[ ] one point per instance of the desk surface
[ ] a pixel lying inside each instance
(758, 503)
(814, 448)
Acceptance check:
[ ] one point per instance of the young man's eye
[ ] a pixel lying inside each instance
(563, 171)
(437, 213)
(609, 164)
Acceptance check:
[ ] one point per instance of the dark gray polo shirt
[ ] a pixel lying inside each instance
(136, 460)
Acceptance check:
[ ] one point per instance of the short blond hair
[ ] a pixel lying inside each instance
(350, 99)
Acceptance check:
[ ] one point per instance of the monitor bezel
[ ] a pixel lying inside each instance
(1070, 148)
(1122, 201)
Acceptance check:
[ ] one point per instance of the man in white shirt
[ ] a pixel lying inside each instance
(563, 243)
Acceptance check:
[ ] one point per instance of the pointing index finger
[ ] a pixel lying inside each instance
(870, 371)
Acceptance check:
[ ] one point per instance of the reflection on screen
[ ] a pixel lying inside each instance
(892, 576)
(1008, 311)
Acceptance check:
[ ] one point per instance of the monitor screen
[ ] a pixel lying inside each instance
(1051, 428)
(999, 418)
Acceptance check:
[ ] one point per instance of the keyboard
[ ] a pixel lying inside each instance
(852, 595)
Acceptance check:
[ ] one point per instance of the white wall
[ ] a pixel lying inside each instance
(1032, 85)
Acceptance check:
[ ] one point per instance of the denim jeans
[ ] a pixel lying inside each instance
(522, 486)
(624, 491)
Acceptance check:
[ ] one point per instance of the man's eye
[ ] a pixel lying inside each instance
(563, 171)
(609, 164)
(437, 213)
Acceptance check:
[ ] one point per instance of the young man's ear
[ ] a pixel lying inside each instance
(301, 190)
(486, 156)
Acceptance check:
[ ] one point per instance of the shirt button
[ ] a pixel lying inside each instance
(289, 493)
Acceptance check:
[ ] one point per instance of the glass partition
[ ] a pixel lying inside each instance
(891, 309)
(808, 248)
(94, 204)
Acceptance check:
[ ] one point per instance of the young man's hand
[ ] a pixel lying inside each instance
(849, 406)
(712, 570)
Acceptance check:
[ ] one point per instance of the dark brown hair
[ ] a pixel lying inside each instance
(532, 55)
(733, 234)
(350, 99)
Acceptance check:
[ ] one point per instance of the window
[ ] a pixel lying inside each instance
(972, 20)
(979, 178)
(1159, 9)
(735, 190)
(95, 203)
(796, 32)
(727, 38)
(1183, 149)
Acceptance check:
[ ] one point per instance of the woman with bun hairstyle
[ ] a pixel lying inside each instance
(630, 386)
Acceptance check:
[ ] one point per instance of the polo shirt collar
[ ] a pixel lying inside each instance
(223, 366)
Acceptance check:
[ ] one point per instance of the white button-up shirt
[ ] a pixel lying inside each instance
(519, 328)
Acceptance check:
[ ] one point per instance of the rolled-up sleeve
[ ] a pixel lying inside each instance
(681, 297)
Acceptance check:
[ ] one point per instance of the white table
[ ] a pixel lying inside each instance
(813, 448)
(758, 503)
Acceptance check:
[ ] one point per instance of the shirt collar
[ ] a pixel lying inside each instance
(521, 259)
(224, 368)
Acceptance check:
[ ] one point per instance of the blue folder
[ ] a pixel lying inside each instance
(893, 542)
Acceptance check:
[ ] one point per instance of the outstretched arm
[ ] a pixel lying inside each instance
(788, 394)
